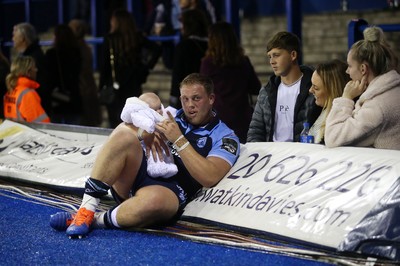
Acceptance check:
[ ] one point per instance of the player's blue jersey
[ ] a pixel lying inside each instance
(214, 139)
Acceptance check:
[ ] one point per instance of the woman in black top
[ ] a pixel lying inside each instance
(4, 70)
(134, 56)
(64, 65)
(189, 50)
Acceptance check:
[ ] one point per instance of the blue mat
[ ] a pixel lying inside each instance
(27, 239)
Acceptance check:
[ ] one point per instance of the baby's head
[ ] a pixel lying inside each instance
(153, 101)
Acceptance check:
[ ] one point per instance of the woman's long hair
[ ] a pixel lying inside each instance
(65, 38)
(223, 45)
(125, 38)
(194, 23)
(21, 66)
(334, 77)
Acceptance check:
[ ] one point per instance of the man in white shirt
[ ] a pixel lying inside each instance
(284, 104)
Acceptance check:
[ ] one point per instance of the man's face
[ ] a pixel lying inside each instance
(18, 40)
(281, 61)
(196, 104)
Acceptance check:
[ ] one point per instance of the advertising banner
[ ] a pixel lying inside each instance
(47, 158)
(332, 197)
(300, 191)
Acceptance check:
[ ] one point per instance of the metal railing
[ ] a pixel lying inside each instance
(357, 26)
(96, 41)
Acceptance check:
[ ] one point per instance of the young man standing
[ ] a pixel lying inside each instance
(204, 150)
(284, 104)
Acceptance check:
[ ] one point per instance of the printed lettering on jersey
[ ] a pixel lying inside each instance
(229, 145)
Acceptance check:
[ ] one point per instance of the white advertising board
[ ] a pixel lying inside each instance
(300, 191)
(47, 158)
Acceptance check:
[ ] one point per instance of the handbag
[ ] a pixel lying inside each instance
(60, 94)
(107, 93)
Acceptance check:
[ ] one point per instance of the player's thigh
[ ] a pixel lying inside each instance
(150, 205)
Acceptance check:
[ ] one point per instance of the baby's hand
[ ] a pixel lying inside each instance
(157, 148)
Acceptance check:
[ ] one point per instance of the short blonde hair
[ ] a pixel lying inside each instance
(200, 79)
(27, 31)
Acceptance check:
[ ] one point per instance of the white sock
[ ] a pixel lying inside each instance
(89, 202)
(114, 217)
(98, 221)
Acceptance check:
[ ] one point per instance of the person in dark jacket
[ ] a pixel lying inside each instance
(64, 66)
(164, 21)
(285, 103)
(189, 51)
(4, 70)
(134, 55)
(87, 85)
(26, 43)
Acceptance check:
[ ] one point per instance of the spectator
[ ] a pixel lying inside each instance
(164, 21)
(207, 6)
(26, 43)
(87, 85)
(81, 10)
(373, 120)
(64, 65)
(204, 150)
(328, 81)
(134, 56)
(233, 76)
(109, 7)
(4, 70)
(189, 51)
(284, 104)
(378, 32)
(22, 102)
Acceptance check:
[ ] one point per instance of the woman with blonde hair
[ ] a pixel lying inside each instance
(328, 81)
(373, 120)
(22, 102)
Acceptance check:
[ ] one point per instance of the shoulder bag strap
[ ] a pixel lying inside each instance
(60, 71)
(112, 63)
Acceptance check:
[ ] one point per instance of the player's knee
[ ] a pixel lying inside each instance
(124, 135)
(163, 203)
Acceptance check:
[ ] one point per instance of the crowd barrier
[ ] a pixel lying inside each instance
(345, 198)
(96, 41)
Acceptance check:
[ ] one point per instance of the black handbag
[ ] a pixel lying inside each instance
(107, 93)
(60, 95)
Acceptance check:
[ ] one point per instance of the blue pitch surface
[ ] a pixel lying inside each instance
(27, 239)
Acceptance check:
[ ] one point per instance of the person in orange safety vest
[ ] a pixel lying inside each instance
(22, 102)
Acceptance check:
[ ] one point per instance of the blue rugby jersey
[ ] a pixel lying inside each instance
(213, 139)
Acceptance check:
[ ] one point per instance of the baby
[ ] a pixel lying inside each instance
(144, 112)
